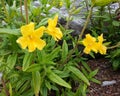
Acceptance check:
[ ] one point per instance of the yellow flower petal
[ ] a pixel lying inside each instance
(23, 42)
(53, 22)
(90, 44)
(31, 47)
(40, 44)
(100, 38)
(27, 29)
(86, 50)
(39, 32)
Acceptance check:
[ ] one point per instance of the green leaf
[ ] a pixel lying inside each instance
(53, 54)
(24, 86)
(19, 84)
(79, 74)
(68, 3)
(115, 53)
(11, 61)
(86, 66)
(43, 22)
(44, 91)
(10, 89)
(64, 50)
(84, 71)
(48, 85)
(62, 74)
(93, 73)
(116, 23)
(95, 80)
(9, 31)
(55, 78)
(36, 81)
(41, 55)
(27, 61)
(33, 68)
(115, 64)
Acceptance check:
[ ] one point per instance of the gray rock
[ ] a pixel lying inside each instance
(107, 83)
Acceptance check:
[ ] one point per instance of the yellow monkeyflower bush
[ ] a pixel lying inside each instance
(94, 44)
(32, 38)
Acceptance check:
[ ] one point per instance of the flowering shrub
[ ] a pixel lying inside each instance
(35, 57)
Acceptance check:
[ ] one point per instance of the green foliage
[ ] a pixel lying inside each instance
(114, 58)
(60, 67)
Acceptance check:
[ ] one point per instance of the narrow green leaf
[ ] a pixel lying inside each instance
(53, 54)
(95, 80)
(48, 85)
(11, 61)
(27, 61)
(9, 31)
(64, 50)
(93, 73)
(33, 68)
(86, 66)
(10, 89)
(115, 64)
(41, 55)
(55, 78)
(84, 71)
(68, 3)
(43, 22)
(44, 91)
(20, 83)
(24, 86)
(36, 81)
(79, 74)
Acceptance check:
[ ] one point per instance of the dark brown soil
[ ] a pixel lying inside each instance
(105, 74)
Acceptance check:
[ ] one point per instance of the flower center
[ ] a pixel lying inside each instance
(30, 37)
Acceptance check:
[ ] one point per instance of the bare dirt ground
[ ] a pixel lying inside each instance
(105, 74)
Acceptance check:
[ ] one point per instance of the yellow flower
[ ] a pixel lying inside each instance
(101, 48)
(90, 44)
(54, 31)
(31, 38)
(94, 44)
(61, 3)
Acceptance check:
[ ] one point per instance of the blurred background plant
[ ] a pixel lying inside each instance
(59, 69)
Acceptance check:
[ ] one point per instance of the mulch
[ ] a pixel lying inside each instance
(105, 73)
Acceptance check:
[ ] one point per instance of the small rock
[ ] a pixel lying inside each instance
(107, 83)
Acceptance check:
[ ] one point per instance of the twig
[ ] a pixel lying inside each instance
(26, 11)
(4, 86)
(80, 36)
(21, 10)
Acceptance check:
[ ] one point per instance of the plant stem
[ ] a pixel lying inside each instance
(86, 23)
(80, 36)
(21, 10)
(4, 86)
(26, 11)
(112, 47)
